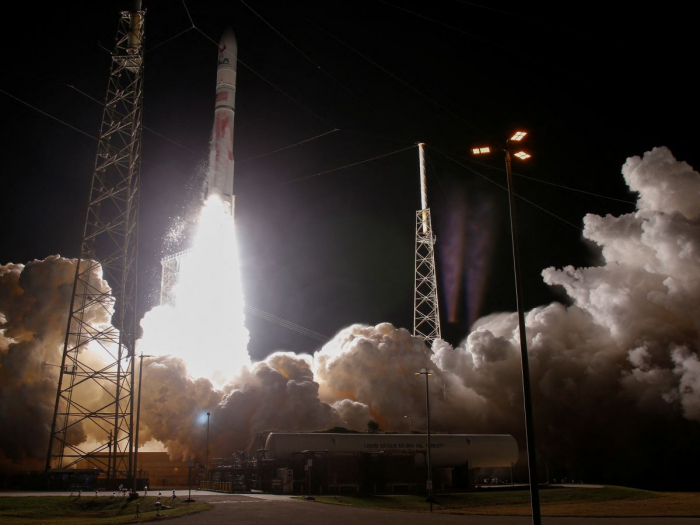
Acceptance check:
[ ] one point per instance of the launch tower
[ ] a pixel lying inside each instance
(95, 390)
(426, 311)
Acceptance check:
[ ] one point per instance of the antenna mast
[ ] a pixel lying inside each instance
(426, 311)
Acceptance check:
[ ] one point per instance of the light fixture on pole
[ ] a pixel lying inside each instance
(206, 461)
(138, 419)
(428, 372)
(525, 366)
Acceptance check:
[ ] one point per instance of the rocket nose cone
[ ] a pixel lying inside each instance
(228, 43)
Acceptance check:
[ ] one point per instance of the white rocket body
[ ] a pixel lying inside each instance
(221, 156)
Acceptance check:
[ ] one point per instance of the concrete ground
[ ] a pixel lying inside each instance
(270, 508)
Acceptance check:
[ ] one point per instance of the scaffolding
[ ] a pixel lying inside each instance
(426, 310)
(170, 272)
(93, 417)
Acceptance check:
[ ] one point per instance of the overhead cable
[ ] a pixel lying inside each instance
(286, 324)
(448, 156)
(392, 75)
(277, 88)
(288, 147)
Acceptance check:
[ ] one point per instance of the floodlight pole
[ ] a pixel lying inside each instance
(206, 461)
(426, 372)
(525, 366)
(138, 419)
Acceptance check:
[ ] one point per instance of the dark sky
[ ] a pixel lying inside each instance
(591, 85)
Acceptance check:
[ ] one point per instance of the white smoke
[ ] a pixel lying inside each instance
(615, 374)
(34, 301)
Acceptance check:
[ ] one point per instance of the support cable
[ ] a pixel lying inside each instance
(548, 182)
(308, 58)
(472, 35)
(188, 12)
(288, 147)
(169, 39)
(446, 155)
(93, 137)
(286, 324)
(280, 90)
(325, 172)
(392, 75)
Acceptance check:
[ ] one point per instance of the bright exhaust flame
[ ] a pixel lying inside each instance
(205, 327)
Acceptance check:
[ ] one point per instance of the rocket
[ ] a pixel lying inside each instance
(220, 180)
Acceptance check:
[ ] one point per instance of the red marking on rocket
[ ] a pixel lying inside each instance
(221, 156)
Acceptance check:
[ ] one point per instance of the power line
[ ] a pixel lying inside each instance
(561, 28)
(477, 37)
(392, 75)
(288, 147)
(446, 155)
(434, 171)
(194, 152)
(144, 127)
(280, 90)
(188, 12)
(309, 59)
(325, 172)
(169, 39)
(48, 115)
(548, 182)
(374, 136)
(320, 173)
(459, 30)
(286, 324)
(569, 188)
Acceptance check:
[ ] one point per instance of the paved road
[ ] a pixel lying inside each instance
(269, 508)
(263, 509)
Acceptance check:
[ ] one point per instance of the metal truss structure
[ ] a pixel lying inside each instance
(170, 273)
(95, 394)
(426, 311)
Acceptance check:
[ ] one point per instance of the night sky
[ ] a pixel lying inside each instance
(591, 86)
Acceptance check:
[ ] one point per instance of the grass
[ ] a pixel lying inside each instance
(90, 510)
(608, 501)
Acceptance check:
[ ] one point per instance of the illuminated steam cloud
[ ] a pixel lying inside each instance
(277, 393)
(627, 347)
(615, 374)
(34, 301)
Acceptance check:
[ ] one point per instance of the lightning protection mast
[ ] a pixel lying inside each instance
(94, 398)
(426, 311)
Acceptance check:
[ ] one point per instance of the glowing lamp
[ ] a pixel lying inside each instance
(522, 155)
(519, 135)
(480, 151)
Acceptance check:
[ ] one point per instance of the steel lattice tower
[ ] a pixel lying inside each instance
(96, 381)
(426, 311)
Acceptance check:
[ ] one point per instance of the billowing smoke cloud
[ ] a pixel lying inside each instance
(615, 373)
(614, 376)
(34, 303)
(278, 393)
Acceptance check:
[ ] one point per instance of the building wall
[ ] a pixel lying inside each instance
(160, 470)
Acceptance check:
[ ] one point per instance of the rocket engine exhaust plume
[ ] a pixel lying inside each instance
(209, 294)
